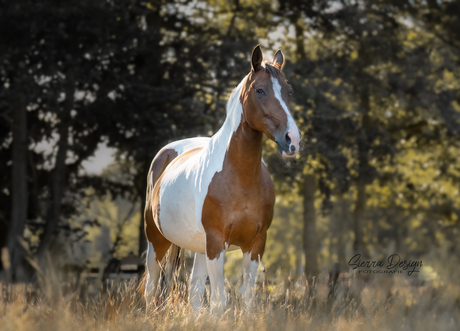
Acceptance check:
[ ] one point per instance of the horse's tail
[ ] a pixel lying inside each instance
(170, 271)
(170, 274)
(142, 281)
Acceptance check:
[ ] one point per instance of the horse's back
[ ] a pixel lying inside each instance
(168, 153)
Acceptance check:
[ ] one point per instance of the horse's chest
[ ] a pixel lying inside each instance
(240, 203)
(238, 209)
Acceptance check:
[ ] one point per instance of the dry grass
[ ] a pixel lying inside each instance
(383, 303)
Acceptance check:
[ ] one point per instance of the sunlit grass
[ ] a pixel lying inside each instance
(384, 302)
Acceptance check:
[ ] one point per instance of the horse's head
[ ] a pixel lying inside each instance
(265, 99)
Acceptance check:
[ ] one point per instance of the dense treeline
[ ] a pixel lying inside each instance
(375, 97)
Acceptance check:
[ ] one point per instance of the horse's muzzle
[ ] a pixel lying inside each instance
(289, 144)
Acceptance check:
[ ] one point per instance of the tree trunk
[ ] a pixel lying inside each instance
(57, 179)
(19, 194)
(359, 246)
(358, 218)
(309, 230)
(309, 182)
(57, 190)
(342, 229)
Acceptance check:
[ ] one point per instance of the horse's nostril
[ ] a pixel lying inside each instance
(288, 139)
(292, 148)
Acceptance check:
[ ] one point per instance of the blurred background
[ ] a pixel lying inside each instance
(91, 90)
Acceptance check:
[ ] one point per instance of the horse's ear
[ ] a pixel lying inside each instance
(256, 58)
(278, 60)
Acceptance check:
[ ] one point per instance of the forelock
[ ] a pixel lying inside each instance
(273, 71)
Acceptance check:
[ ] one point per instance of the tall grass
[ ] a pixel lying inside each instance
(383, 302)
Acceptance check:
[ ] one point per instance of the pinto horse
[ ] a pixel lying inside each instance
(210, 195)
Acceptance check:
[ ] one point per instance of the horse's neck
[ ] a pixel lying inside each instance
(242, 144)
(245, 151)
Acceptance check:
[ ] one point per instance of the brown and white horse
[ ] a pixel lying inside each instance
(209, 195)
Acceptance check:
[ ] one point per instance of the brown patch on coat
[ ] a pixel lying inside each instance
(152, 207)
(238, 208)
(153, 234)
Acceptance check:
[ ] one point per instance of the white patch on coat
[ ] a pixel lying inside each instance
(277, 90)
(291, 126)
(184, 186)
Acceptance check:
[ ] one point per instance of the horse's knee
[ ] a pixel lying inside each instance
(257, 248)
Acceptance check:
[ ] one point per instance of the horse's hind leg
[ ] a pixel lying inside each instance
(158, 245)
(198, 281)
(153, 275)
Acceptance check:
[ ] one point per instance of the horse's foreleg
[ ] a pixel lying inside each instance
(153, 275)
(198, 281)
(251, 261)
(250, 267)
(215, 266)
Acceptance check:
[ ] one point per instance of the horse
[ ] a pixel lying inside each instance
(211, 195)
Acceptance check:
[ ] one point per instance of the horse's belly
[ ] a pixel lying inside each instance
(177, 216)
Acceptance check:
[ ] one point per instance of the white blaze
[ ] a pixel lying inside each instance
(292, 129)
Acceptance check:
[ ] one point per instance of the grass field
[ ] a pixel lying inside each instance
(383, 302)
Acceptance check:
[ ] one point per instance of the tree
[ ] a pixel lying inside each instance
(103, 72)
(360, 62)
(69, 67)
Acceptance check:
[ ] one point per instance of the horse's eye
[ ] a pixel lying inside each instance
(260, 91)
(290, 93)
